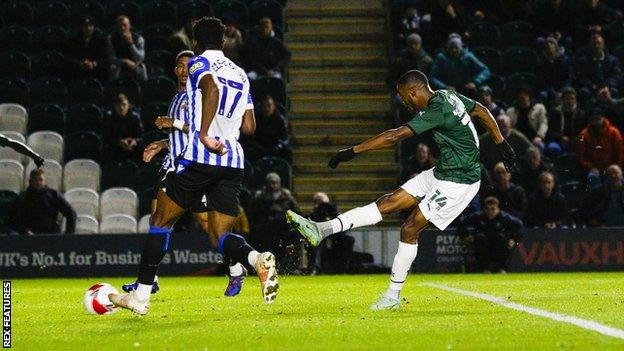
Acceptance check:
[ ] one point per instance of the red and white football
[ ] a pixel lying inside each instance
(96, 299)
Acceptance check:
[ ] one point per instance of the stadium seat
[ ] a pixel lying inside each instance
(144, 224)
(159, 89)
(11, 175)
(49, 38)
(48, 144)
(270, 86)
(7, 198)
(615, 33)
(118, 224)
(119, 201)
(14, 64)
(48, 90)
(128, 8)
(16, 38)
(160, 63)
(84, 201)
(575, 193)
(53, 172)
(83, 118)
(46, 117)
(520, 80)
(149, 113)
(13, 118)
(15, 91)
(267, 165)
(120, 173)
(17, 12)
(87, 225)
(491, 57)
(82, 173)
(50, 64)
(520, 59)
(85, 90)
(157, 36)
(483, 34)
(158, 12)
(192, 9)
(234, 9)
(568, 168)
(83, 8)
(6, 153)
(267, 8)
(129, 87)
(83, 145)
(517, 33)
(51, 12)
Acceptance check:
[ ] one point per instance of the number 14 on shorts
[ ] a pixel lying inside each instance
(438, 198)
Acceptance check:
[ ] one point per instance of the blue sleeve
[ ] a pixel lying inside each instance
(435, 75)
(483, 72)
(197, 67)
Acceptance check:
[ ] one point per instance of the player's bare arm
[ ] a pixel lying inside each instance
(22, 149)
(154, 148)
(249, 122)
(506, 152)
(166, 122)
(210, 101)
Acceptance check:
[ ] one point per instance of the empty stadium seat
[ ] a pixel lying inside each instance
(85, 90)
(144, 224)
(129, 87)
(46, 117)
(156, 36)
(83, 8)
(120, 173)
(48, 90)
(14, 118)
(159, 63)
(267, 8)
(11, 175)
(267, 165)
(517, 33)
(520, 59)
(14, 64)
(119, 201)
(270, 86)
(234, 9)
(16, 38)
(87, 225)
(122, 7)
(83, 118)
(6, 153)
(83, 145)
(14, 90)
(615, 33)
(7, 198)
(84, 201)
(149, 113)
(192, 9)
(118, 224)
(17, 12)
(483, 34)
(82, 173)
(50, 64)
(48, 144)
(158, 12)
(51, 12)
(520, 80)
(159, 89)
(49, 38)
(491, 57)
(53, 173)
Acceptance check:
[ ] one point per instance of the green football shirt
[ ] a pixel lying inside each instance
(447, 116)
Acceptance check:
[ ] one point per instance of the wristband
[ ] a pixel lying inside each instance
(178, 124)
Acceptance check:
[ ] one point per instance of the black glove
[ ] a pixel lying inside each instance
(507, 155)
(341, 156)
(39, 161)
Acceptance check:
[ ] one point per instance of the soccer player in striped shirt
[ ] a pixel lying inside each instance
(211, 167)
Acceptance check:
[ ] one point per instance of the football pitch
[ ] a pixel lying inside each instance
(331, 313)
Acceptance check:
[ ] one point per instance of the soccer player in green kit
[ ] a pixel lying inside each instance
(437, 195)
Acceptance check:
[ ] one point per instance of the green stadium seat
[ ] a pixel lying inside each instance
(50, 64)
(158, 12)
(49, 38)
(129, 87)
(120, 173)
(158, 89)
(517, 33)
(83, 145)
(121, 7)
(520, 80)
(83, 8)
(266, 8)
(157, 36)
(497, 83)
(51, 13)
(234, 9)
(16, 38)
(267, 165)
(14, 90)
(483, 34)
(192, 9)
(17, 12)
(84, 118)
(568, 168)
(14, 64)
(160, 63)
(149, 112)
(46, 117)
(48, 90)
(491, 57)
(85, 90)
(269, 86)
(520, 59)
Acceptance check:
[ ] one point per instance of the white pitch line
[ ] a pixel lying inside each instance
(579, 322)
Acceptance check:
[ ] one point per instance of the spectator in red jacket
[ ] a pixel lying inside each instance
(599, 145)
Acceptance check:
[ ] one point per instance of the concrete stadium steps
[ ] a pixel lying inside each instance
(323, 126)
(334, 25)
(334, 182)
(329, 139)
(318, 154)
(340, 113)
(345, 49)
(337, 60)
(333, 4)
(336, 75)
(344, 196)
(359, 168)
(331, 102)
(371, 87)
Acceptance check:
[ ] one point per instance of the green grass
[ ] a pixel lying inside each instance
(325, 312)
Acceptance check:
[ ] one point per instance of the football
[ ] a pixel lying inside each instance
(96, 299)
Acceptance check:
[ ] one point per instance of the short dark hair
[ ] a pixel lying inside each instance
(568, 90)
(491, 200)
(209, 32)
(415, 77)
(36, 172)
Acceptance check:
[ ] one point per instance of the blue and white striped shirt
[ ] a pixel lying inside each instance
(178, 110)
(234, 100)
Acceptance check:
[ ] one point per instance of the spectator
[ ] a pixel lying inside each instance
(547, 206)
(529, 118)
(495, 234)
(555, 67)
(36, 210)
(486, 98)
(412, 57)
(530, 168)
(233, 40)
(552, 17)
(410, 23)
(87, 50)
(566, 120)
(181, 39)
(123, 129)
(591, 16)
(421, 160)
(512, 197)
(599, 145)
(447, 16)
(458, 69)
(272, 137)
(126, 51)
(604, 206)
(613, 108)
(598, 68)
(264, 54)
(320, 256)
(518, 142)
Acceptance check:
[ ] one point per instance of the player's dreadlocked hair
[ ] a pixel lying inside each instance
(414, 77)
(209, 32)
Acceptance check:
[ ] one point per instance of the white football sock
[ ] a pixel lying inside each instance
(355, 218)
(252, 258)
(400, 268)
(143, 292)
(236, 270)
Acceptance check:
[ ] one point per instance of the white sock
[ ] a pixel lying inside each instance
(252, 258)
(143, 292)
(355, 218)
(236, 270)
(400, 268)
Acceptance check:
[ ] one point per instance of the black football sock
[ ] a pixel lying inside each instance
(234, 248)
(156, 245)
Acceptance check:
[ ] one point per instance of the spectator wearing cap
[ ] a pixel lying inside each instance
(555, 67)
(126, 51)
(604, 206)
(233, 40)
(456, 68)
(517, 140)
(598, 68)
(529, 118)
(547, 206)
(599, 145)
(566, 120)
(87, 50)
(412, 57)
(264, 54)
(529, 169)
(512, 197)
(486, 98)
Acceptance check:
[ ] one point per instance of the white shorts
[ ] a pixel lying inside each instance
(441, 201)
